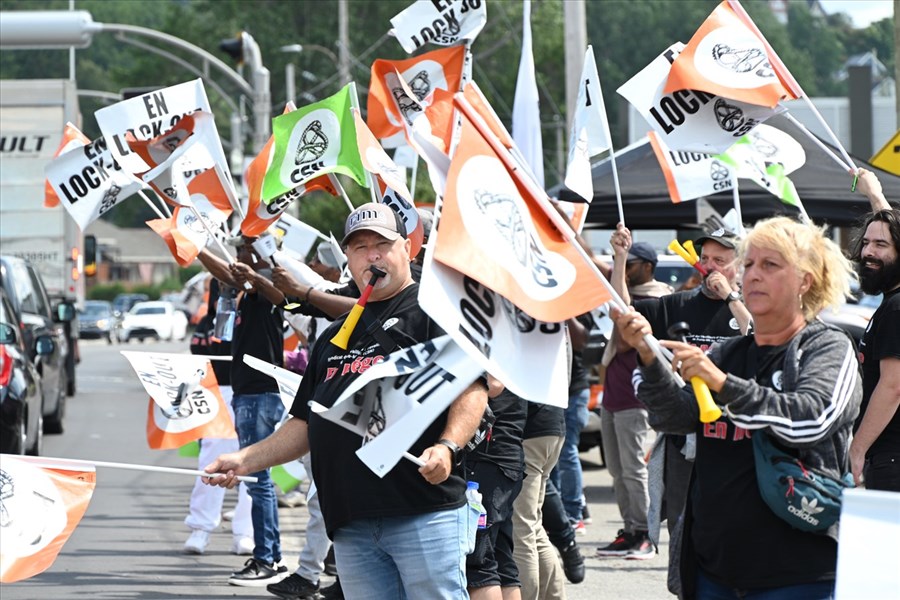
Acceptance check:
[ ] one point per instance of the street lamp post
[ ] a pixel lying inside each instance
(61, 29)
(290, 69)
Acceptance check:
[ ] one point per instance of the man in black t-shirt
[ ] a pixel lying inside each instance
(876, 442)
(256, 400)
(405, 532)
(714, 312)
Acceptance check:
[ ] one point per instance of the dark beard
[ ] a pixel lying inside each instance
(875, 281)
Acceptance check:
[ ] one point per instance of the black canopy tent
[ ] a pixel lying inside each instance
(823, 186)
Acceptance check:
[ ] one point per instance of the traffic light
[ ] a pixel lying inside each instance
(234, 47)
(134, 92)
(90, 255)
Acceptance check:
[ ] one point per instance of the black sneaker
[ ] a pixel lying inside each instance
(257, 574)
(586, 515)
(294, 587)
(573, 563)
(620, 546)
(641, 548)
(333, 591)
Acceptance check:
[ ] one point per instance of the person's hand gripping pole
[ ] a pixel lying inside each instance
(342, 337)
(709, 412)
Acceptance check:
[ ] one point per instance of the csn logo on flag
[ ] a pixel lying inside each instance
(497, 211)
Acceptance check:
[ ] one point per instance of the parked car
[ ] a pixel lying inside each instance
(123, 302)
(21, 418)
(28, 296)
(160, 320)
(96, 320)
(853, 316)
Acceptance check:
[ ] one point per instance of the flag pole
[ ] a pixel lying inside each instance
(736, 196)
(337, 184)
(553, 215)
(818, 142)
(134, 467)
(412, 179)
(837, 142)
(612, 150)
(152, 206)
(354, 104)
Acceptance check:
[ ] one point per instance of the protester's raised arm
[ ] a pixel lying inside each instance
(868, 185)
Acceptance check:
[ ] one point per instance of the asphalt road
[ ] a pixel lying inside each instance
(128, 545)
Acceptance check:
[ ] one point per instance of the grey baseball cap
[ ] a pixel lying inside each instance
(376, 217)
(722, 236)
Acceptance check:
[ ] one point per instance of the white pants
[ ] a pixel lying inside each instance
(206, 501)
(312, 556)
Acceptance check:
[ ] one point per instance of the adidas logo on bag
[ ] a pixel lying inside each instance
(807, 510)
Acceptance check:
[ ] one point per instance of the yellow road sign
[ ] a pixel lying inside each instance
(888, 158)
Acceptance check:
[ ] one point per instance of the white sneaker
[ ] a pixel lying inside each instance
(228, 515)
(242, 546)
(197, 542)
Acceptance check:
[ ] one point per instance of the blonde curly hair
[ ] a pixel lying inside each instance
(806, 247)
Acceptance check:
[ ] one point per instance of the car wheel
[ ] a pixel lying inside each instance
(37, 447)
(54, 423)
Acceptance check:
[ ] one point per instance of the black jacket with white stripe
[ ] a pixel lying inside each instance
(814, 412)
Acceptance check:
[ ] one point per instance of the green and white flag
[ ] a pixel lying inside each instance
(766, 156)
(313, 140)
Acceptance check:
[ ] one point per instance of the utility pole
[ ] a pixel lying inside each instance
(575, 30)
(343, 42)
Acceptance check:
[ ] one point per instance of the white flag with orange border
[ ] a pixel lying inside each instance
(88, 183)
(185, 402)
(149, 116)
(690, 120)
(730, 57)
(494, 231)
(183, 233)
(41, 504)
(72, 138)
(690, 175)
(444, 23)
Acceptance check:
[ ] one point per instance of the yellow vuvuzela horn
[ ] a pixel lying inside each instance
(342, 337)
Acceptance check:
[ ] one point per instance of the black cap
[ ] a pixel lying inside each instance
(642, 251)
(722, 236)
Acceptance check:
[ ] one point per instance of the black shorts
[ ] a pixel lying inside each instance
(491, 563)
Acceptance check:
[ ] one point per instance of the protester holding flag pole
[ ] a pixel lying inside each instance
(407, 501)
(256, 401)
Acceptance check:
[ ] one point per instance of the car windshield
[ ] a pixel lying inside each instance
(95, 310)
(150, 310)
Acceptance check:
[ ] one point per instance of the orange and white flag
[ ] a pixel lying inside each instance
(690, 175)
(183, 233)
(192, 144)
(41, 503)
(493, 230)
(729, 57)
(389, 106)
(185, 402)
(376, 160)
(72, 138)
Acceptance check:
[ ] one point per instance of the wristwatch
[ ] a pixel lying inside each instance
(454, 449)
(732, 297)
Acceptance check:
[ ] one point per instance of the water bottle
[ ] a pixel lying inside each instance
(225, 311)
(477, 517)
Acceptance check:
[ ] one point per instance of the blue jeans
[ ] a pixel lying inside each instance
(707, 589)
(419, 556)
(255, 418)
(567, 473)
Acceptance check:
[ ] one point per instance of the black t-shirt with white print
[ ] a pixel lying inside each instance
(710, 320)
(881, 340)
(347, 488)
(737, 539)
